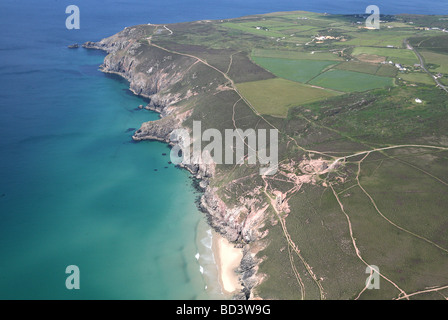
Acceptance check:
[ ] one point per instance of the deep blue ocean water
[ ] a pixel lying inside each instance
(74, 189)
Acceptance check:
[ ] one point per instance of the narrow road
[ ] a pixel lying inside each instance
(292, 245)
(332, 166)
(234, 87)
(384, 217)
(422, 64)
(357, 251)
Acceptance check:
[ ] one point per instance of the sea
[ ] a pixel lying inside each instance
(75, 190)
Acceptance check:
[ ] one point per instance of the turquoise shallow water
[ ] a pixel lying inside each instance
(74, 189)
(78, 191)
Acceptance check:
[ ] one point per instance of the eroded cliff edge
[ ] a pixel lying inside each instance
(194, 71)
(182, 89)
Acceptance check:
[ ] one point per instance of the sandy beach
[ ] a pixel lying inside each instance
(227, 259)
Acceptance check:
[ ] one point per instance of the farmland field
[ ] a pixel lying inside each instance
(349, 81)
(295, 70)
(276, 96)
(251, 28)
(384, 70)
(380, 38)
(356, 66)
(322, 81)
(402, 56)
(417, 77)
(387, 70)
(438, 59)
(296, 55)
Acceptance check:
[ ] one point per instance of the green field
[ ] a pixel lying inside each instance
(403, 56)
(295, 55)
(378, 38)
(387, 70)
(417, 77)
(356, 66)
(273, 27)
(295, 70)
(431, 42)
(407, 184)
(384, 70)
(437, 59)
(349, 81)
(276, 96)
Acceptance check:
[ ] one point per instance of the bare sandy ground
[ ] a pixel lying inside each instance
(228, 259)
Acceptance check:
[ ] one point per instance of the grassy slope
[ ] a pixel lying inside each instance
(349, 81)
(295, 70)
(276, 96)
(406, 184)
(402, 56)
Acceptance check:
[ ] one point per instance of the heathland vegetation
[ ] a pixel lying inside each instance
(363, 145)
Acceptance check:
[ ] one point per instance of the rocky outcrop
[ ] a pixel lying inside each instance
(156, 75)
(220, 217)
(156, 130)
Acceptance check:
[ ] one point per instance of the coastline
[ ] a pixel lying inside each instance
(207, 263)
(226, 233)
(228, 259)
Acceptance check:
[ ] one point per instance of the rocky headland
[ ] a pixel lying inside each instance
(175, 84)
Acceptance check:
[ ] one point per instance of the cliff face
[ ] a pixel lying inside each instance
(175, 84)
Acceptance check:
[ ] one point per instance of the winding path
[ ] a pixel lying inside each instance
(357, 251)
(292, 247)
(422, 64)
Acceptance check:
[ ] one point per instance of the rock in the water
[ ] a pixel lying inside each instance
(73, 46)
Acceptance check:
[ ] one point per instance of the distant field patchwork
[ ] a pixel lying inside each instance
(403, 56)
(296, 55)
(384, 70)
(380, 38)
(356, 66)
(294, 70)
(350, 81)
(276, 96)
(250, 27)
